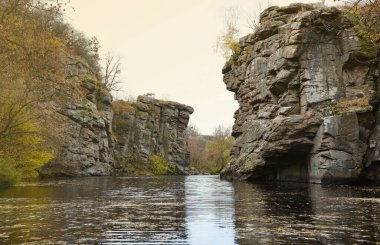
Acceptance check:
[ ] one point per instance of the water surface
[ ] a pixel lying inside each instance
(187, 210)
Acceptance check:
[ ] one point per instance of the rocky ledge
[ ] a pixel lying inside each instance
(78, 122)
(151, 131)
(308, 95)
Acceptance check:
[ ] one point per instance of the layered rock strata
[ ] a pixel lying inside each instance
(151, 127)
(308, 98)
(78, 122)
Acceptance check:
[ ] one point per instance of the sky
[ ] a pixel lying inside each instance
(167, 47)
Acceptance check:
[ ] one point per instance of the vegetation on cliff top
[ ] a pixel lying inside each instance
(366, 16)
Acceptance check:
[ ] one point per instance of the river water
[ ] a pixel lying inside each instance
(187, 210)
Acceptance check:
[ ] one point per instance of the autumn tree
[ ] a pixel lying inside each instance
(31, 66)
(209, 153)
(196, 145)
(228, 42)
(217, 152)
(366, 16)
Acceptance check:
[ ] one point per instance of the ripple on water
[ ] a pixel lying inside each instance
(186, 210)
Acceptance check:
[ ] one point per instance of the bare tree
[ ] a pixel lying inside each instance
(252, 18)
(111, 79)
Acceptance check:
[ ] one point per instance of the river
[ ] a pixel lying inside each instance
(186, 210)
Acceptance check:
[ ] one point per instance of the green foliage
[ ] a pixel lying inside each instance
(161, 166)
(365, 15)
(365, 37)
(8, 174)
(209, 153)
(132, 165)
(21, 155)
(157, 165)
(214, 171)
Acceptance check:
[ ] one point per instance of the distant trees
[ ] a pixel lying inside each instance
(196, 145)
(209, 153)
(218, 148)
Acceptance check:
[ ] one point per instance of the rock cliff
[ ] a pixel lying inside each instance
(78, 122)
(308, 95)
(151, 128)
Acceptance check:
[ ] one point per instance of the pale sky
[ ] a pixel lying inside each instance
(168, 48)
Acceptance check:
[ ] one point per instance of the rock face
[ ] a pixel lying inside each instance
(308, 100)
(79, 120)
(152, 127)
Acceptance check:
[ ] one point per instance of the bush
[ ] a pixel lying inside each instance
(22, 154)
(161, 166)
(8, 174)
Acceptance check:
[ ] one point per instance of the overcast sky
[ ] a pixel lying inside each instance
(168, 48)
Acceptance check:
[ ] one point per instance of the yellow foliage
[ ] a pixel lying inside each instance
(161, 166)
(210, 153)
(22, 154)
(234, 46)
(361, 104)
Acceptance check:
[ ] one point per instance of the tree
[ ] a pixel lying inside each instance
(228, 41)
(366, 16)
(112, 71)
(196, 146)
(20, 157)
(31, 67)
(209, 153)
(218, 149)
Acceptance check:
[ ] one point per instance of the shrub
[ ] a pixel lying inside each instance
(161, 166)
(22, 154)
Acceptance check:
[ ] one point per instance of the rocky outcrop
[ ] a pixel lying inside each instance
(151, 127)
(78, 121)
(308, 100)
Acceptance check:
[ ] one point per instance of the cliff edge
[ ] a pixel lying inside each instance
(308, 98)
(151, 136)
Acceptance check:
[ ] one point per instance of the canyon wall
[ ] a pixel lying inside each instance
(150, 131)
(77, 121)
(308, 95)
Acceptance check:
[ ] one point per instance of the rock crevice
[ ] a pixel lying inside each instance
(151, 127)
(307, 96)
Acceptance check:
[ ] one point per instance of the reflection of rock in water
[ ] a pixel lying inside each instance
(127, 210)
(187, 210)
(147, 210)
(351, 213)
(305, 214)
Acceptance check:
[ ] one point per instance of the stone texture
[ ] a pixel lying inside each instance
(305, 102)
(80, 121)
(152, 127)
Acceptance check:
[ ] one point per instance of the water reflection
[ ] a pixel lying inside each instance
(209, 211)
(187, 210)
(102, 210)
(306, 214)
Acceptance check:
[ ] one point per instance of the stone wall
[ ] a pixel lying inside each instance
(77, 122)
(308, 100)
(151, 127)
